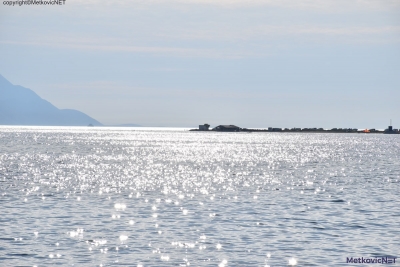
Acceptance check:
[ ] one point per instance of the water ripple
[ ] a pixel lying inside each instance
(151, 197)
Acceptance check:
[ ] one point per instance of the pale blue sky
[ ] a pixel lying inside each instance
(278, 63)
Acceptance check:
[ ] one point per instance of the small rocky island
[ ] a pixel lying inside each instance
(234, 128)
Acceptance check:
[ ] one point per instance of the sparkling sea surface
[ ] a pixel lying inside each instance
(87, 196)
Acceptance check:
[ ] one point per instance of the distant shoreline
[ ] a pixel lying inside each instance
(233, 128)
(286, 131)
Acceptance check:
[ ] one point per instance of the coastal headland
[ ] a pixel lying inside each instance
(234, 128)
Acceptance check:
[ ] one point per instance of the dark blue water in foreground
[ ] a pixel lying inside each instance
(169, 197)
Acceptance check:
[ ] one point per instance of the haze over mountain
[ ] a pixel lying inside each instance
(22, 106)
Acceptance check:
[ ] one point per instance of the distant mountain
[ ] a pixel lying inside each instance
(22, 106)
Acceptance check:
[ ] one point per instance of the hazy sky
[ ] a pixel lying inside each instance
(253, 63)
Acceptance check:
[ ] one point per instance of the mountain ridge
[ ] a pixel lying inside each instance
(22, 106)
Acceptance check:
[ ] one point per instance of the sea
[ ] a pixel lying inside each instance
(99, 196)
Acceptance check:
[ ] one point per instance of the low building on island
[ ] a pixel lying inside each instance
(204, 127)
(390, 130)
